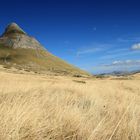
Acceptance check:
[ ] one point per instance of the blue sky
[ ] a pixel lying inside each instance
(96, 35)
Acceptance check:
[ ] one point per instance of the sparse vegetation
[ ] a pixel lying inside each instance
(27, 70)
(77, 81)
(100, 76)
(77, 75)
(6, 67)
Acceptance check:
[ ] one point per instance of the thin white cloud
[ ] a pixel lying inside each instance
(88, 51)
(124, 63)
(94, 29)
(66, 42)
(136, 46)
(94, 48)
(116, 54)
(128, 39)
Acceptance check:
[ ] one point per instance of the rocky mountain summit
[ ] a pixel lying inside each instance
(13, 28)
(15, 37)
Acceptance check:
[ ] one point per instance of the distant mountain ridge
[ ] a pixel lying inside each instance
(18, 49)
(121, 73)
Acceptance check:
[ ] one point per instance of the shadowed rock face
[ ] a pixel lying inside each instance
(15, 37)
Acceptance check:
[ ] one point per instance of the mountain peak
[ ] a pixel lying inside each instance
(15, 37)
(13, 28)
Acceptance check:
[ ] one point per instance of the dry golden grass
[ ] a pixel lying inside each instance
(39, 107)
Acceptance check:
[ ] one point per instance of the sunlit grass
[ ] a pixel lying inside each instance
(39, 107)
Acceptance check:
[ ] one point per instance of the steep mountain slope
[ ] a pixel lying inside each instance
(19, 50)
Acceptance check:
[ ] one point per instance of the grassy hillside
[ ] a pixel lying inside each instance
(36, 60)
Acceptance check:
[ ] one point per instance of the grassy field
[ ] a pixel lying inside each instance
(39, 107)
